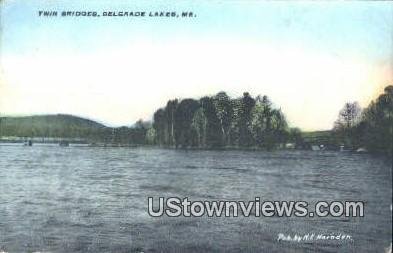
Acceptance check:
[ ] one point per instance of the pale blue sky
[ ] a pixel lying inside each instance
(325, 33)
(335, 26)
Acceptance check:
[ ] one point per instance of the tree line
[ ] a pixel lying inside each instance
(370, 128)
(210, 122)
(220, 121)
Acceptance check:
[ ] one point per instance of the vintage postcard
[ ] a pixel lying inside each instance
(196, 126)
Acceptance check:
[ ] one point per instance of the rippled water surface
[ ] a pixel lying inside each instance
(81, 199)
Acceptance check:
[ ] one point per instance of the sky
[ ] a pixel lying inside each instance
(308, 57)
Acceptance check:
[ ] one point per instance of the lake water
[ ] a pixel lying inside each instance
(81, 199)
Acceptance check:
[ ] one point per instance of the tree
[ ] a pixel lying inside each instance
(373, 129)
(234, 132)
(160, 125)
(279, 128)
(295, 136)
(199, 124)
(184, 135)
(151, 136)
(344, 127)
(213, 125)
(170, 110)
(378, 123)
(245, 135)
(349, 116)
(138, 132)
(224, 110)
(258, 121)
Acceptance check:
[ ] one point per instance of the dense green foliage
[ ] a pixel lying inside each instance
(370, 128)
(219, 121)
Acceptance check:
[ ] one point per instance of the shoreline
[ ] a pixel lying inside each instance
(226, 148)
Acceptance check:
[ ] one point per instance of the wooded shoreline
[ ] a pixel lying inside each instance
(217, 123)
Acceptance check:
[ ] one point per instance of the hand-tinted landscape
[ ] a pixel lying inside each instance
(285, 101)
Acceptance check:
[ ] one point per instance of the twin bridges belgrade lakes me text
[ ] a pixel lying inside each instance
(137, 14)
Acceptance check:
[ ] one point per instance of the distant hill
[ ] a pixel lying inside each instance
(59, 125)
